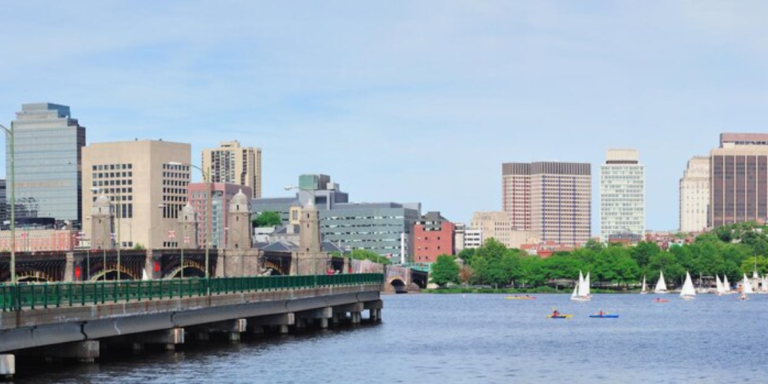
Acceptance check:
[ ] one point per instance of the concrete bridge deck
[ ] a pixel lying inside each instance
(74, 323)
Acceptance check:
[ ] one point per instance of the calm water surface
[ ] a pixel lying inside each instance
(480, 339)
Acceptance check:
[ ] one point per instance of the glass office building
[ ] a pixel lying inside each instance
(48, 148)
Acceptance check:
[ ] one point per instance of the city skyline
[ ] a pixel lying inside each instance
(488, 83)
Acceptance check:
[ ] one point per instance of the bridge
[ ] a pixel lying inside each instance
(77, 320)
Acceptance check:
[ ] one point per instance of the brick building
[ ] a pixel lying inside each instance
(433, 236)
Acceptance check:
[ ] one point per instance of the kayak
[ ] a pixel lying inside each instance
(520, 297)
(604, 316)
(661, 301)
(559, 316)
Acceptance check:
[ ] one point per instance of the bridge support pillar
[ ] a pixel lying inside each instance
(230, 328)
(83, 351)
(321, 314)
(374, 309)
(282, 321)
(7, 367)
(353, 309)
(167, 338)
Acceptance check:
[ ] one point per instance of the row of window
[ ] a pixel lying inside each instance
(105, 175)
(112, 167)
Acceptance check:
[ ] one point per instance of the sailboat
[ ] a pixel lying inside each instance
(746, 286)
(726, 285)
(720, 288)
(688, 292)
(661, 286)
(645, 288)
(764, 285)
(581, 290)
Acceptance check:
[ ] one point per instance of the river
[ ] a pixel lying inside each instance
(477, 339)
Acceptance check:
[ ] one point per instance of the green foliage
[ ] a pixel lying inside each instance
(445, 270)
(362, 254)
(138, 247)
(267, 219)
(728, 250)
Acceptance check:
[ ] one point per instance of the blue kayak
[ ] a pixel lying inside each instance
(604, 316)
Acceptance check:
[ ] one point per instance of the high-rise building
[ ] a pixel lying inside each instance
(622, 194)
(232, 164)
(458, 237)
(694, 195)
(48, 146)
(552, 199)
(146, 182)
(433, 236)
(473, 238)
(739, 179)
(221, 196)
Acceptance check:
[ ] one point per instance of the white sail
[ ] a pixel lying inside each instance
(688, 292)
(581, 290)
(720, 288)
(645, 288)
(584, 288)
(661, 286)
(726, 284)
(764, 285)
(746, 286)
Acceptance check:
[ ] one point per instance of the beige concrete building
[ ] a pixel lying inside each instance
(493, 224)
(147, 191)
(552, 199)
(233, 164)
(622, 194)
(694, 195)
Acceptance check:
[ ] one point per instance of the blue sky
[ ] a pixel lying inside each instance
(403, 100)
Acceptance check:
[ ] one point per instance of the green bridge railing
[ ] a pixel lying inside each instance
(31, 296)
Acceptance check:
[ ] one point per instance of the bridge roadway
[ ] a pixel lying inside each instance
(68, 320)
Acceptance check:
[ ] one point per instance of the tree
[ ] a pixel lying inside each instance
(643, 251)
(466, 273)
(467, 254)
(138, 247)
(444, 271)
(362, 254)
(267, 219)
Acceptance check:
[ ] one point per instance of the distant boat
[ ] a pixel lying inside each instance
(603, 315)
(746, 286)
(764, 285)
(645, 288)
(688, 292)
(720, 288)
(726, 285)
(581, 290)
(661, 286)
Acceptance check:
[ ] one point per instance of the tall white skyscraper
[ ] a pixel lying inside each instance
(233, 164)
(694, 195)
(622, 194)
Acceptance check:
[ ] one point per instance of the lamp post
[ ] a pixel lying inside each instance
(9, 133)
(209, 209)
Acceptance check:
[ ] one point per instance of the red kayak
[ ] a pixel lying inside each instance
(661, 301)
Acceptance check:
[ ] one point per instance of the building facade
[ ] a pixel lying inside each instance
(694, 195)
(221, 197)
(473, 238)
(492, 224)
(622, 194)
(459, 233)
(146, 182)
(40, 240)
(739, 179)
(433, 236)
(48, 146)
(552, 199)
(231, 163)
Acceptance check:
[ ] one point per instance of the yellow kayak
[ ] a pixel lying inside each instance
(559, 316)
(520, 298)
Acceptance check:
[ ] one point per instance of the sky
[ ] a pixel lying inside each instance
(406, 101)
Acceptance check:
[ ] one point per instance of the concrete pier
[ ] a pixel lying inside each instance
(7, 367)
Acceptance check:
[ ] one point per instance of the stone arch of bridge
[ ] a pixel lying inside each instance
(397, 283)
(191, 269)
(34, 277)
(274, 269)
(111, 274)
